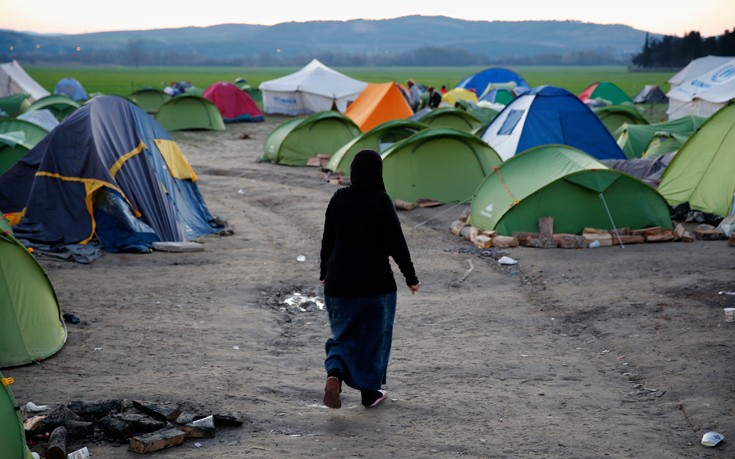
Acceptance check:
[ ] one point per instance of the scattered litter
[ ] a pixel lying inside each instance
(198, 445)
(32, 407)
(79, 454)
(301, 258)
(504, 260)
(726, 293)
(712, 438)
(97, 349)
(594, 244)
(302, 302)
(235, 347)
(241, 191)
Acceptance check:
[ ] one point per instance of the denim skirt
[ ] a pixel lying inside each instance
(362, 333)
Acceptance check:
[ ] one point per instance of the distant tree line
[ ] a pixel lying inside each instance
(677, 52)
(136, 54)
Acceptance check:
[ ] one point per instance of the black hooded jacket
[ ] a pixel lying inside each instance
(361, 232)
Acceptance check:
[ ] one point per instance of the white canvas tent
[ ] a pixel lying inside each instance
(703, 94)
(697, 67)
(315, 88)
(15, 80)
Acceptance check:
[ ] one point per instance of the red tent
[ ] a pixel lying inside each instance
(234, 104)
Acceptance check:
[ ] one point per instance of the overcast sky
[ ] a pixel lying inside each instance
(671, 17)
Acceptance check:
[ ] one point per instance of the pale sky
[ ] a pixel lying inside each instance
(670, 17)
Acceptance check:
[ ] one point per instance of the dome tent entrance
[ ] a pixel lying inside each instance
(569, 185)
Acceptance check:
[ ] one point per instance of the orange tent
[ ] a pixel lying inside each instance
(376, 104)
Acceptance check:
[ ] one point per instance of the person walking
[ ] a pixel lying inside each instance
(414, 95)
(361, 233)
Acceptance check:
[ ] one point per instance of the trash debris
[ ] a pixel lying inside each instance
(79, 454)
(594, 244)
(198, 445)
(504, 260)
(241, 191)
(301, 258)
(729, 314)
(712, 438)
(33, 408)
(726, 293)
(297, 300)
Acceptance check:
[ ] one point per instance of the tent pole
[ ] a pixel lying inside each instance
(615, 228)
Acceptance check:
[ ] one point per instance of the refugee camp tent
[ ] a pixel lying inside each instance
(17, 137)
(696, 67)
(295, 141)
(650, 94)
(379, 138)
(549, 115)
(32, 132)
(703, 94)
(234, 104)
(12, 148)
(441, 164)
(149, 99)
(634, 139)
(315, 88)
(14, 105)
(15, 80)
(703, 171)
(606, 91)
(31, 327)
(614, 116)
(122, 180)
(376, 104)
(487, 83)
(71, 88)
(569, 185)
(190, 112)
(12, 432)
(60, 106)
(450, 117)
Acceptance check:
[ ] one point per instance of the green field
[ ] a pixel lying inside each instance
(124, 80)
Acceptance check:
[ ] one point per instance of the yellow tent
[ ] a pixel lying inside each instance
(453, 95)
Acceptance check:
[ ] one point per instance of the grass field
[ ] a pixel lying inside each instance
(123, 81)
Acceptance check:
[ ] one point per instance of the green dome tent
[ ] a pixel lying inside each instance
(31, 327)
(12, 434)
(449, 117)
(378, 138)
(190, 112)
(33, 133)
(296, 140)
(614, 116)
(61, 106)
(703, 171)
(12, 148)
(149, 99)
(15, 104)
(565, 183)
(606, 91)
(442, 164)
(633, 139)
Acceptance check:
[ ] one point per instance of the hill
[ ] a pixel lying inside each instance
(410, 40)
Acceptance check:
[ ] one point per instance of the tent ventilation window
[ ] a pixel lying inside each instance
(514, 116)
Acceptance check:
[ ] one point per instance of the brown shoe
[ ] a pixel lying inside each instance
(331, 392)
